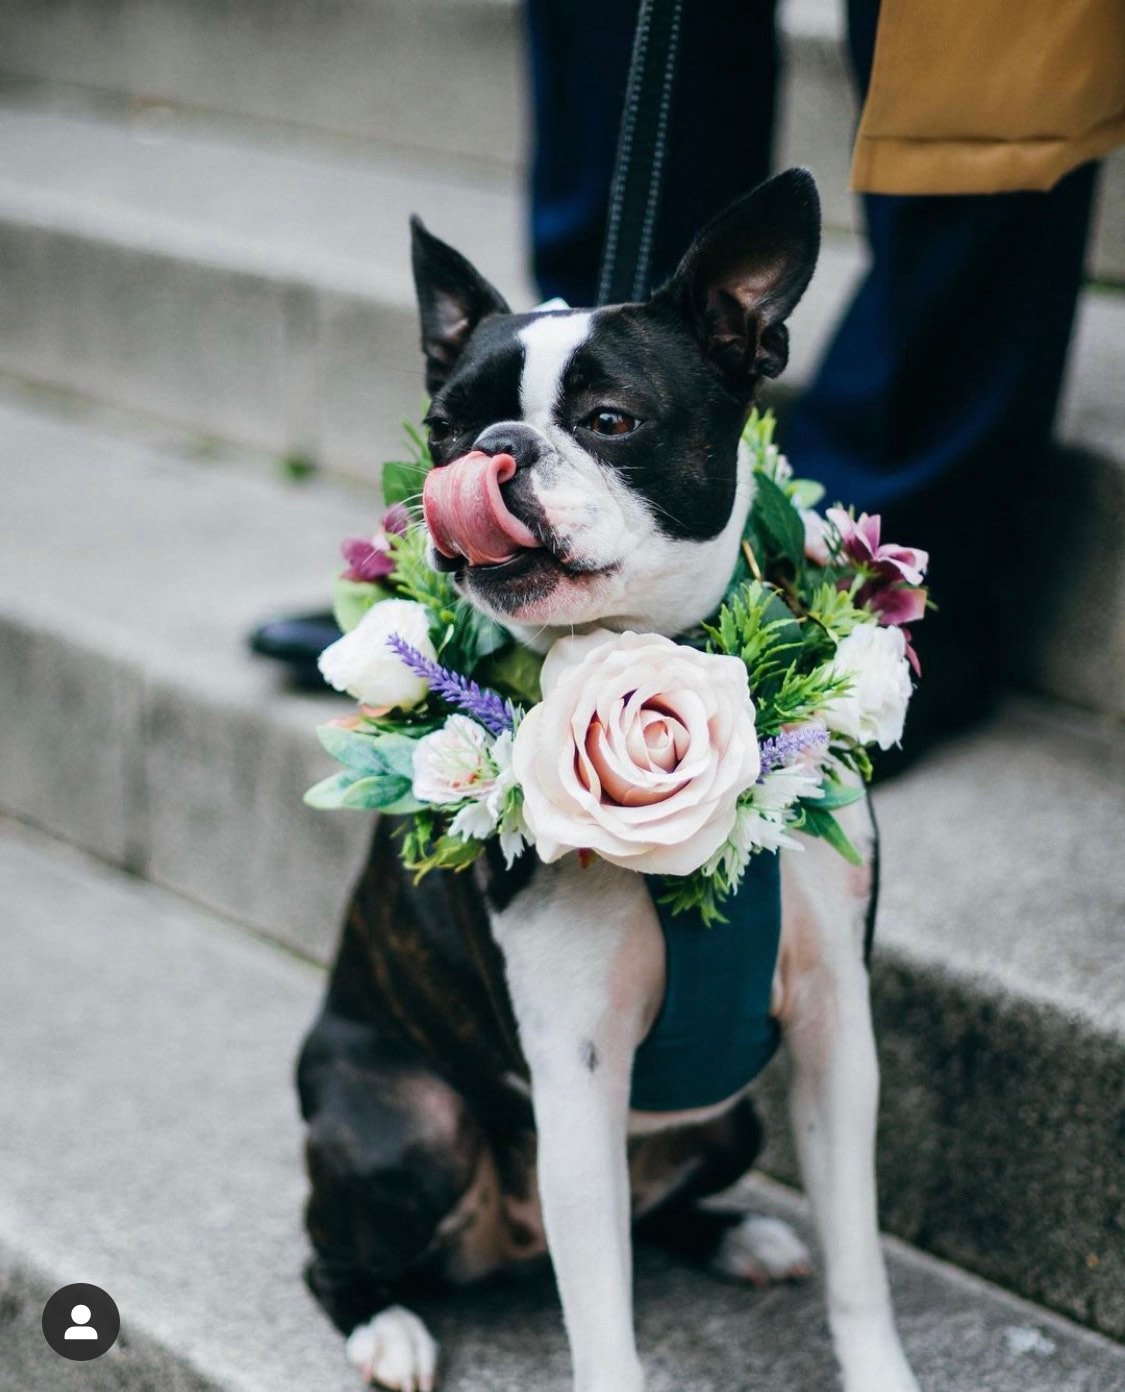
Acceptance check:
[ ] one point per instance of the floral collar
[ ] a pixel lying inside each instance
(680, 759)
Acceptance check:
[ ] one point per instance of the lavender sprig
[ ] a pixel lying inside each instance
(790, 744)
(493, 712)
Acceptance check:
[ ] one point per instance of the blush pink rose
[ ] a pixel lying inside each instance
(638, 751)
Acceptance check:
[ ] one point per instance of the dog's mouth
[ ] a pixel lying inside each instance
(477, 533)
(469, 518)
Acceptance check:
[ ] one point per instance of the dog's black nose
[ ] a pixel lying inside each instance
(511, 437)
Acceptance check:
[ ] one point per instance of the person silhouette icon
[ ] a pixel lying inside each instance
(80, 1329)
(81, 1322)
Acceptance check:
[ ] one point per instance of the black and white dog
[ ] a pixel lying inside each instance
(467, 1083)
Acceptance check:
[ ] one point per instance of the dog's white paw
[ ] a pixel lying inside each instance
(762, 1250)
(394, 1350)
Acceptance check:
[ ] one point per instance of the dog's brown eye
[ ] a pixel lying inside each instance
(611, 423)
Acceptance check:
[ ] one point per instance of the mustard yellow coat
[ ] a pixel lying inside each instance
(986, 96)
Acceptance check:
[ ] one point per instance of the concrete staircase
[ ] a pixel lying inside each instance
(162, 1163)
(203, 290)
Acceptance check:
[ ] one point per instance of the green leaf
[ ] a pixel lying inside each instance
(820, 823)
(469, 637)
(402, 482)
(351, 599)
(778, 518)
(446, 853)
(805, 493)
(397, 753)
(837, 795)
(514, 672)
(328, 794)
(364, 792)
(383, 755)
(385, 792)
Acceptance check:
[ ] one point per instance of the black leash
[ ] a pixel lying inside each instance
(641, 146)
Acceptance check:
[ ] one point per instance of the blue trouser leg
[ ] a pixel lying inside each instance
(721, 126)
(935, 399)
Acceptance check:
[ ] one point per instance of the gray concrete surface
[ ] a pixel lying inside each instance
(237, 286)
(259, 290)
(150, 1145)
(147, 733)
(361, 69)
(999, 991)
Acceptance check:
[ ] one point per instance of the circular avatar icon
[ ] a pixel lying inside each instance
(81, 1322)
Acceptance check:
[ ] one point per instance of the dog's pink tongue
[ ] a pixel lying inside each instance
(466, 514)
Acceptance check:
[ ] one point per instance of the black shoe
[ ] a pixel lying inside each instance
(297, 640)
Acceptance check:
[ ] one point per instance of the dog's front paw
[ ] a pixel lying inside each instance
(762, 1251)
(394, 1350)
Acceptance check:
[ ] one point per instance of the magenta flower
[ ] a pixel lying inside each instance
(894, 604)
(861, 545)
(892, 587)
(370, 559)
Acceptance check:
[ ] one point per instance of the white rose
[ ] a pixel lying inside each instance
(638, 751)
(364, 664)
(874, 710)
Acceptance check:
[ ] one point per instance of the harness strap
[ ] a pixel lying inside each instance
(714, 1033)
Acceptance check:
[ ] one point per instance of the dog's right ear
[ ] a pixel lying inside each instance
(744, 274)
(453, 297)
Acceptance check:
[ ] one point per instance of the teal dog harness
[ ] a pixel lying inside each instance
(714, 1033)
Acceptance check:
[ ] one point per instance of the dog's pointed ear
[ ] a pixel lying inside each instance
(453, 297)
(744, 274)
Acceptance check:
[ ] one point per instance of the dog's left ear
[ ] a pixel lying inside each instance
(744, 274)
(453, 297)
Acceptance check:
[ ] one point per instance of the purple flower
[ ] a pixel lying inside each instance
(789, 745)
(894, 604)
(892, 587)
(861, 544)
(371, 560)
(488, 707)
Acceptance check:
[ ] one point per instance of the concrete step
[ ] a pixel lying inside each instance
(362, 70)
(251, 292)
(152, 1147)
(129, 572)
(262, 294)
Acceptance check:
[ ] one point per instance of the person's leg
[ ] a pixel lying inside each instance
(937, 395)
(949, 361)
(721, 126)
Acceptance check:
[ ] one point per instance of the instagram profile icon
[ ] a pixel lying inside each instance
(81, 1322)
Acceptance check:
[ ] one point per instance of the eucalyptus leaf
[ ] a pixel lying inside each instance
(404, 805)
(383, 755)
(351, 599)
(380, 791)
(328, 794)
(397, 754)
